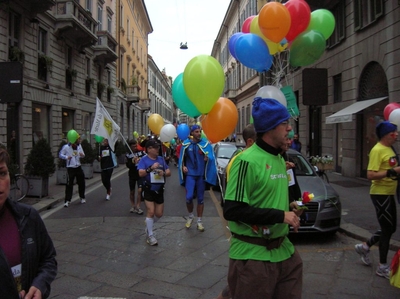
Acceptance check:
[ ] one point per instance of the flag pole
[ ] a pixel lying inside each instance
(123, 138)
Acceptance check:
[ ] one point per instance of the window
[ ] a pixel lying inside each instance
(109, 23)
(337, 88)
(133, 43)
(100, 17)
(40, 122)
(109, 88)
(67, 121)
(68, 71)
(339, 12)
(366, 12)
(127, 28)
(44, 62)
(89, 80)
(14, 24)
(89, 5)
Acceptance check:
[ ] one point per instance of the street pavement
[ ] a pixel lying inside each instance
(108, 257)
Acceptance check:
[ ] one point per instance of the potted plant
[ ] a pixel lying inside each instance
(39, 166)
(87, 161)
(71, 72)
(46, 62)
(100, 88)
(16, 54)
(61, 172)
(123, 85)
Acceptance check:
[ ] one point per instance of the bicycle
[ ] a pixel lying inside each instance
(19, 187)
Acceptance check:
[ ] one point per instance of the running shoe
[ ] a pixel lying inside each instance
(383, 271)
(200, 226)
(189, 222)
(139, 211)
(132, 210)
(83, 200)
(108, 197)
(151, 240)
(364, 254)
(66, 204)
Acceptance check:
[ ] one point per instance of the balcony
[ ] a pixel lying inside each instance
(38, 6)
(132, 93)
(144, 104)
(231, 93)
(75, 24)
(104, 50)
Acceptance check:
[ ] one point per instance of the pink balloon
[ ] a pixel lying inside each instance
(300, 15)
(246, 24)
(389, 108)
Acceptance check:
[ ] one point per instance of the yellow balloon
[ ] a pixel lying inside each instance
(254, 28)
(155, 123)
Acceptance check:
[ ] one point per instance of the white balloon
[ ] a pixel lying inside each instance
(272, 92)
(394, 117)
(167, 132)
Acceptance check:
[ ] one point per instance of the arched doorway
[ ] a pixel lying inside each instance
(372, 84)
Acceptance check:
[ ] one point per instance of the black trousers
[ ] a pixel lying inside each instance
(80, 179)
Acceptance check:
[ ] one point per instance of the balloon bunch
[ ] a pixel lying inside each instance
(279, 27)
(197, 91)
(392, 113)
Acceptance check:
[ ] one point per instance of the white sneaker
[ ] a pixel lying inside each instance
(66, 204)
(108, 197)
(383, 271)
(189, 222)
(200, 226)
(364, 254)
(83, 200)
(132, 210)
(151, 240)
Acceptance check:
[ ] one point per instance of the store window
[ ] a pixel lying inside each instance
(40, 122)
(67, 121)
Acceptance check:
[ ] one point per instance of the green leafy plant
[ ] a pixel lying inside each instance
(61, 162)
(110, 89)
(90, 155)
(73, 73)
(123, 85)
(100, 87)
(46, 62)
(89, 81)
(134, 81)
(16, 54)
(40, 160)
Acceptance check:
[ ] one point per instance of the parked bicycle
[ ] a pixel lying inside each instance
(19, 186)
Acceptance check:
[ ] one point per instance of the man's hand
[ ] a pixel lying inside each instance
(295, 208)
(292, 219)
(34, 293)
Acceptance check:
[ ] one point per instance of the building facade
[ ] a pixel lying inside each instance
(358, 80)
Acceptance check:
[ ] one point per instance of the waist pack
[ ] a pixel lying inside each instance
(267, 243)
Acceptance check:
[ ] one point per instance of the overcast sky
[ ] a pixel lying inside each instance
(188, 21)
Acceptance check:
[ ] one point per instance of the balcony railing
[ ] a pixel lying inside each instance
(132, 93)
(144, 104)
(74, 23)
(105, 49)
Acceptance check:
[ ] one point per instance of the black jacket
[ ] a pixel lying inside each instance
(39, 265)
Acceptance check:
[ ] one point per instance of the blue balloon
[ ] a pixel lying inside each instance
(253, 52)
(183, 131)
(232, 42)
(181, 99)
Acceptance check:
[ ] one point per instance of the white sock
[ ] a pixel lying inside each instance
(198, 219)
(191, 216)
(149, 225)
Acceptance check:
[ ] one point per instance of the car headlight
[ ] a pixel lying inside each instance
(221, 170)
(331, 202)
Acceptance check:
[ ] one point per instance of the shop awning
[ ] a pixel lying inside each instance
(346, 115)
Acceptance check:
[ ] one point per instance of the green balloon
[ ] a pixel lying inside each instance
(203, 80)
(72, 136)
(322, 20)
(181, 99)
(98, 138)
(307, 48)
(291, 134)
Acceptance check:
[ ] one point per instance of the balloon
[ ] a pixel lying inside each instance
(204, 81)
(232, 43)
(173, 141)
(254, 28)
(183, 131)
(155, 123)
(135, 134)
(246, 24)
(272, 92)
(322, 20)
(307, 48)
(389, 108)
(394, 117)
(167, 132)
(274, 21)
(221, 121)
(98, 139)
(181, 99)
(300, 15)
(72, 136)
(291, 134)
(253, 52)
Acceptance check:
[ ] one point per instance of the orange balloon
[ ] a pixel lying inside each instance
(221, 121)
(254, 28)
(274, 21)
(155, 123)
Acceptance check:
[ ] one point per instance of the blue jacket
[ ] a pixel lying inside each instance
(210, 173)
(39, 265)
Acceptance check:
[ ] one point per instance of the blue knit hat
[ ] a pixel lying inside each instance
(194, 127)
(268, 114)
(384, 128)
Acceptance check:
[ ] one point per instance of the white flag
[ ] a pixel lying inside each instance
(104, 125)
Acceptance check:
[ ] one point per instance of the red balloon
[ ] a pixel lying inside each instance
(389, 108)
(300, 15)
(246, 24)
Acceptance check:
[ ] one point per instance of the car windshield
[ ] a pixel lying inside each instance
(303, 168)
(225, 152)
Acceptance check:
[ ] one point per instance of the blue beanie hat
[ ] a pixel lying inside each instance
(384, 128)
(194, 127)
(268, 114)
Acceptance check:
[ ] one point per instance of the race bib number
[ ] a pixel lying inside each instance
(290, 176)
